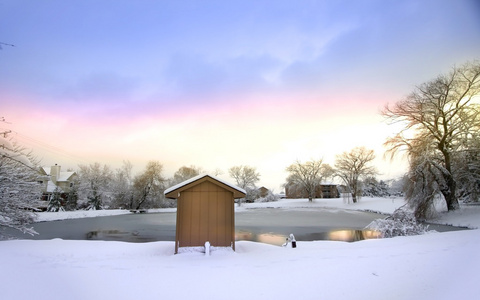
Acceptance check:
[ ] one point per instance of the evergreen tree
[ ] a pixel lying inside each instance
(55, 203)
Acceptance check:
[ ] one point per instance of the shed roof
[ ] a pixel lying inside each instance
(172, 191)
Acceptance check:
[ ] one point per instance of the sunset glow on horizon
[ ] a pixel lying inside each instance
(219, 84)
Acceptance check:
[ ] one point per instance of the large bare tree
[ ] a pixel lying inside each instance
(245, 176)
(122, 185)
(149, 186)
(308, 176)
(438, 118)
(352, 166)
(185, 173)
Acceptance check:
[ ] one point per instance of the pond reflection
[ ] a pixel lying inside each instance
(346, 235)
(118, 235)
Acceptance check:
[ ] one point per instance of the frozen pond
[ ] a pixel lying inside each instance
(267, 225)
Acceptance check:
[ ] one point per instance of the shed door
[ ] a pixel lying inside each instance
(206, 214)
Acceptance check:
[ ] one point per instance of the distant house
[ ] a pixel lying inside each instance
(53, 179)
(262, 192)
(323, 190)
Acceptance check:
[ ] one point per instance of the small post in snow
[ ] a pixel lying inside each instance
(291, 239)
(207, 248)
(294, 242)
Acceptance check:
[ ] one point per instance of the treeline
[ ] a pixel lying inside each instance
(97, 186)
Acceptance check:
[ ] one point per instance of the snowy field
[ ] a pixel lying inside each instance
(431, 266)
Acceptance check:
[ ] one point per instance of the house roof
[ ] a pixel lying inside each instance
(52, 186)
(170, 192)
(63, 176)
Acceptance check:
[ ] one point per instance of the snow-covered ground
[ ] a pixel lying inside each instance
(431, 266)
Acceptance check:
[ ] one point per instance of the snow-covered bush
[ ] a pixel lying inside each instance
(55, 204)
(373, 188)
(19, 189)
(252, 195)
(400, 223)
(270, 197)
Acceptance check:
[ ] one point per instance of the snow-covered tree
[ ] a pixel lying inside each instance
(466, 169)
(424, 178)
(19, 188)
(439, 116)
(71, 202)
(122, 186)
(374, 188)
(95, 185)
(56, 202)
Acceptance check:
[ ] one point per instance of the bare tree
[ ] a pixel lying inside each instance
(95, 185)
(185, 173)
(308, 176)
(438, 117)
(352, 166)
(123, 186)
(149, 186)
(245, 176)
(217, 172)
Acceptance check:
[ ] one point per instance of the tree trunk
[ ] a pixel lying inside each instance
(449, 193)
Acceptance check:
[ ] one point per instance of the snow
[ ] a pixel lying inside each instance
(381, 205)
(431, 266)
(64, 215)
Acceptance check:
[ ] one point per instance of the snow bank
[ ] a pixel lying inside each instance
(432, 266)
(375, 204)
(77, 214)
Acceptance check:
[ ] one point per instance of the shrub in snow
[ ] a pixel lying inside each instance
(55, 204)
(400, 223)
(269, 198)
(374, 188)
(252, 195)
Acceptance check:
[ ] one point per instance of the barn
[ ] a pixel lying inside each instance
(205, 212)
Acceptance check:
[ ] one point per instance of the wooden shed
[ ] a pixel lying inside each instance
(205, 212)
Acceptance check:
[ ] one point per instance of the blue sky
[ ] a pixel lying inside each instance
(260, 83)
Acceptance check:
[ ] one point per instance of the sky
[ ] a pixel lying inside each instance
(218, 84)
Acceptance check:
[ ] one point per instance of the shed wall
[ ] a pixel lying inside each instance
(205, 212)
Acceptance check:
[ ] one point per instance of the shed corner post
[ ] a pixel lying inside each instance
(178, 224)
